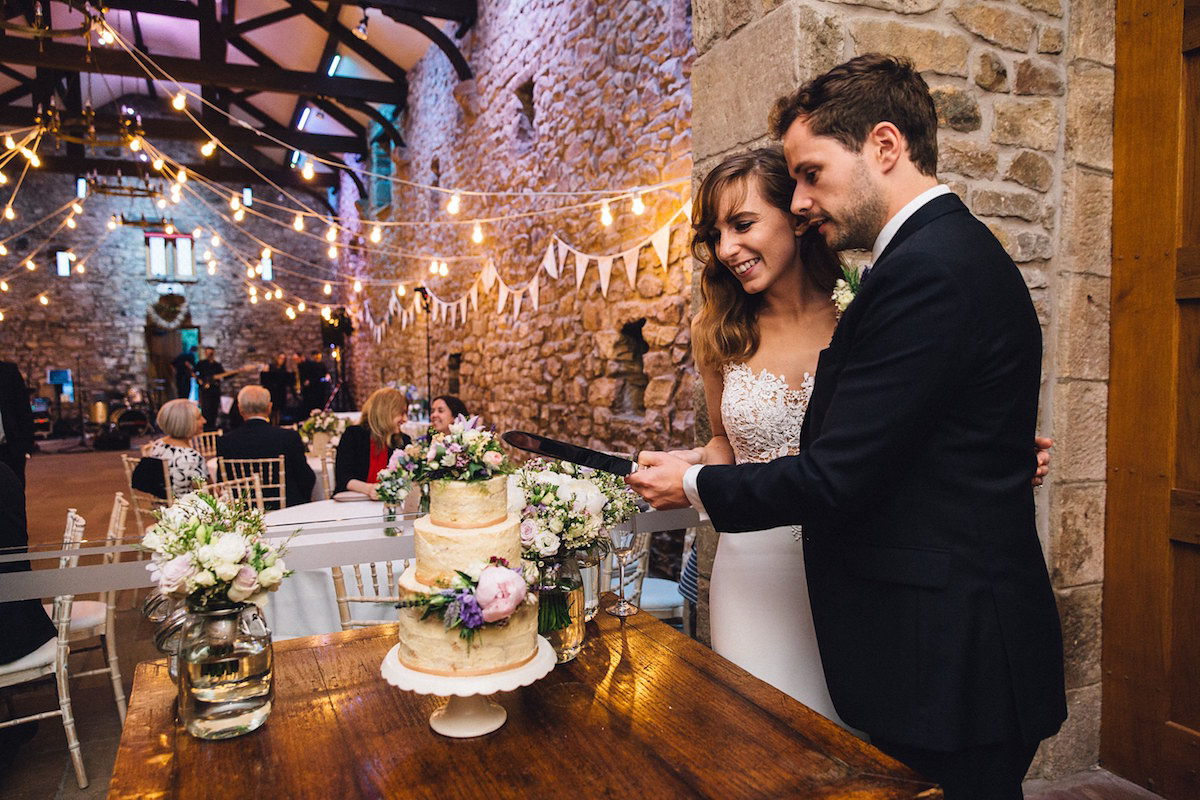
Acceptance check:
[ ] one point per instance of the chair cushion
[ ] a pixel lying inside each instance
(85, 614)
(660, 593)
(38, 658)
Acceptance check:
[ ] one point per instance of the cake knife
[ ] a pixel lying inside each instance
(564, 451)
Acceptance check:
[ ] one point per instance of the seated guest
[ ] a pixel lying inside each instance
(365, 448)
(24, 624)
(180, 420)
(443, 411)
(258, 438)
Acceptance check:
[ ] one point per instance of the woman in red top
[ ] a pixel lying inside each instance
(364, 448)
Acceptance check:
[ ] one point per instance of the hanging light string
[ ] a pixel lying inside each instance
(21, 269)
(150, 68)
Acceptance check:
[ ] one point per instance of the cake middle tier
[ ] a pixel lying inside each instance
(440, 551)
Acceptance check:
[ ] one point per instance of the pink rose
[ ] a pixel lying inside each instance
(493, 459)
(245, 583)
(174, 573)
(529, 530)
(499, 592)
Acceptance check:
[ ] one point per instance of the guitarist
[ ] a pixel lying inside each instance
(208, 377)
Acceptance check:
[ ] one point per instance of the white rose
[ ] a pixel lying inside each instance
(545, 543)
(469, 435)
(555, 524)
(152, 540)
(271, 575)
(226, 570)
(204, 578)
(229, 547)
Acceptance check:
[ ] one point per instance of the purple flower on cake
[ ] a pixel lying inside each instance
(500, 591)
(469, 611)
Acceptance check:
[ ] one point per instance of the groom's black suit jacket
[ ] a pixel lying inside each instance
(934, 614)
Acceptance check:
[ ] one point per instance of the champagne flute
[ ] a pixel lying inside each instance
(622, 537)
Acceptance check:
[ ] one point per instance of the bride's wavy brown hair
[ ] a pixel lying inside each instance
(725, 328)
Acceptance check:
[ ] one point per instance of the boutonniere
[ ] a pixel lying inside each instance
(846, 288)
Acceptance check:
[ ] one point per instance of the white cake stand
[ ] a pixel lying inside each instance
(469, 712)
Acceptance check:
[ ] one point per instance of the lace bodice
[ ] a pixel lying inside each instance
(762, 416)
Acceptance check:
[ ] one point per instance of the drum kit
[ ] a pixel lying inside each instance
(128, 412)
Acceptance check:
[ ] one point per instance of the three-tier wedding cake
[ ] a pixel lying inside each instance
(465, 609)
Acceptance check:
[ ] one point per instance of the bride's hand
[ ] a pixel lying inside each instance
(693, 456)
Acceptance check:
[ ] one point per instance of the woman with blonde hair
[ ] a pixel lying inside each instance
(179, 420)
(365, 448)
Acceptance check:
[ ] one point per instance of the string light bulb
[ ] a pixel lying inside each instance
(239, 215)
(216, 240)
(279, 294)
(606, 217)
(78, 209)
(181, 176)
(254, 300)
(112, 222)
(266, 252)
(80, 268)
(43, 299)
(326, 312)
(135, 144)
(3, 251)
(253, 291)
(71, 223)
(29, 265)
(357, 286)
(376, 234)
(10, 143)
(3, 179)
(454, 203)
(291, 313)
(196, 232)
(298, 223)
(9, 213)
(1, 316)
(179, 102)
(332, 251)
(300, 306)
(249, 272)
(169, 229)
(208, 148)
(328, 289)
(639, 207)
(234, 203)
(31, 157)
(307, 172)
(400, 290)
(212, 268)
(444, 269)
(433, 267)
(161, 203)
(3, 286)
(477, 234)
(331, 234)
(157, 164)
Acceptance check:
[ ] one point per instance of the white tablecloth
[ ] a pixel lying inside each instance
(306, 603)
(320, 490)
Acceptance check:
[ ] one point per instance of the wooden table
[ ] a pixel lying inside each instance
(643, 712)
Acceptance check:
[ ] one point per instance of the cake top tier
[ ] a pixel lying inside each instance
(468, 504)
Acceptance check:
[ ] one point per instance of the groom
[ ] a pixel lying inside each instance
(933, 610)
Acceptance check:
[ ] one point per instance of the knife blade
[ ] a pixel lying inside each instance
(564, 451)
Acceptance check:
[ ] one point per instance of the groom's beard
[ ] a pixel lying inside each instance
(857, 227)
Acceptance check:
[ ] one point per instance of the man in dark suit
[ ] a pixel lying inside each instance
(258, 438)
(16, 419)
(314, 381)
(208, 377)
(933, 610)
(277, 379)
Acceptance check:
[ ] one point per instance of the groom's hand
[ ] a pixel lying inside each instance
(659, 479)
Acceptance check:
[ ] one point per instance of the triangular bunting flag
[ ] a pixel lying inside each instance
(630, 257)
(452, 310)
(474, 295)
(581, 262)
(403, 320)
(604, 263)
(533, 291)
(517, 303)
(501, 298)
(662, 242)
(489, 275)
(549, 262)
(462, 310)
(562, 252)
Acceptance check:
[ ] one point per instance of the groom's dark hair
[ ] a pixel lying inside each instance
(849, 100)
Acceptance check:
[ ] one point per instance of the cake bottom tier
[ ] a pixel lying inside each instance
(427, 646)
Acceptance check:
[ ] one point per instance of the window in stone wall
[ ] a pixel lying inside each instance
(381, 165)
(630, 370)
(453, 365)
(525, 122)
(169, 257)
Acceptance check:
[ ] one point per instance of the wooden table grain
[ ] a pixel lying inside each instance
(643, 712)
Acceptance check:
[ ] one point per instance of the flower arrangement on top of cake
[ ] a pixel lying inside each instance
(467, 452)
(569, 507)
(470, 603)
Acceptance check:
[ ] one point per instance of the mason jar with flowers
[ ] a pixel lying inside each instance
(392, 485)
(321, 431)
(567, 511)
(212, 553)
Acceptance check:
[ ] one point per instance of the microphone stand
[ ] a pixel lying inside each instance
(83, 443)
(426, 303)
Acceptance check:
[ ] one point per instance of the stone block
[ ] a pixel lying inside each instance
(650, 284)
(990, 72)
(1053, 8)
(659, 391)
(1079, 611)
(991, 203)
(1076, 747)
(956, 109)
(1037, 77)
(1093, 31)
(1090, 115)
(1051, 41)
(1008, 29)
(739, 13)
(1080, 411)
(967, 158)
(1028, 246)
(1032, 170)
(1083, 327)
(658, 362)
(658, 335)
(794, 44)
(897, 6)
(1026, 123)
(1077, 537)
(1087, 220)
(929, 49)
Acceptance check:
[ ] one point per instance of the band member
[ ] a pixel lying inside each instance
(184, 366)
(208, 376)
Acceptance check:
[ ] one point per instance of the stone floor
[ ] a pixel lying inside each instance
(86, 480)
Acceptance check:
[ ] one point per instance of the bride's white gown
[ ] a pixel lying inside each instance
(758, 599)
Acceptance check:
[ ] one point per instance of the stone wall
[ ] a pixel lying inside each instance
(568, 97)
(1024, 93)
(96, 322)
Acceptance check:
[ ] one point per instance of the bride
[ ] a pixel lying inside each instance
(766, 314)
